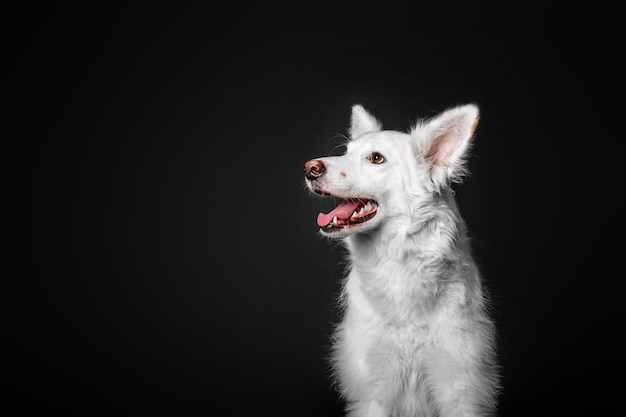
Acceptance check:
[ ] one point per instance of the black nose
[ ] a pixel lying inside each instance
(314, 169)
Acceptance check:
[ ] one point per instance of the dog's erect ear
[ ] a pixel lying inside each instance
(362, 122)
(444, 142)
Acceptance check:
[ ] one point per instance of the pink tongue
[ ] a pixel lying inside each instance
(342, 211)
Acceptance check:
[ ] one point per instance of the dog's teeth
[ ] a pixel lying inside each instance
(362, 210)
(354, 214)
(334, 220)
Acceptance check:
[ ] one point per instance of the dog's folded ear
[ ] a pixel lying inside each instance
(362, 122)
(444, 141)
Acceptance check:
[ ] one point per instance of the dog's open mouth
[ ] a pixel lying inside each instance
(347, 214)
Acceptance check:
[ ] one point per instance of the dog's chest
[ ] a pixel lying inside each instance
(398, 290)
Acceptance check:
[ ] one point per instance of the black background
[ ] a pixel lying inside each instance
(161, 252)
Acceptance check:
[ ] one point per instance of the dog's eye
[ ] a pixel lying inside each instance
(376, 158)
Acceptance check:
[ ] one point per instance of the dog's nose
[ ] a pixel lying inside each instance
(313, 169)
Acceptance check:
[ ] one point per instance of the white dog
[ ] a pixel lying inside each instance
(415, 338)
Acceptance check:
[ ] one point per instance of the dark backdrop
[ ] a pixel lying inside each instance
(161, 252)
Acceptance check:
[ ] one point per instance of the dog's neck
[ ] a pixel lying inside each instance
(430, 247)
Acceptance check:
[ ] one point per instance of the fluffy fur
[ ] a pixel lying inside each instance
(415, 336)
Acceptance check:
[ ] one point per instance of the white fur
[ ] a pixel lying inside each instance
(415, 337)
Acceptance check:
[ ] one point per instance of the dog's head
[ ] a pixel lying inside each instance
(383, 172)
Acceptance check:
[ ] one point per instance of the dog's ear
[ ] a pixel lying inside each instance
(444, 142)
(362, 122)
